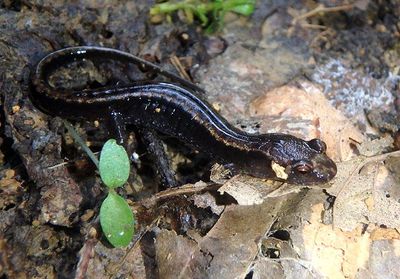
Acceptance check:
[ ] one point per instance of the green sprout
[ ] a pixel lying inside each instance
(116, 218)
(114, 164)
(205, 10)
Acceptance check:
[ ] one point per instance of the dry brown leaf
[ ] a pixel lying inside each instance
(332, 252)
(383, 233)
(310, 104)
(247, 190)
(242, 191)
(233, 240)
(366, 192)
(228, 249)
(175, 255)
(376, 146)
(267, 269)
(114, 263)
(325, 251)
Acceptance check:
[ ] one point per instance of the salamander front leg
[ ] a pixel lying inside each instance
(159, 157)
(117, 130)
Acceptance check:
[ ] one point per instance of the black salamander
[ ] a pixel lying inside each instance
(178, 111)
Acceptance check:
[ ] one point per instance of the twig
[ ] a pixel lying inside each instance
(313, 26)
(322, 9)
(381, 157)
(322, 35)
(178, 65)
(188, 189)
(86, 254)
(58, 165)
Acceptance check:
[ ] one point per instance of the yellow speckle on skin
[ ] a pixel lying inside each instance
(279, 170)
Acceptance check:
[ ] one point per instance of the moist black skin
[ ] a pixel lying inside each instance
(177, 110)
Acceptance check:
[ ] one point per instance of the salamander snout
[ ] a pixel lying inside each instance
(319, 169)
(304, 162)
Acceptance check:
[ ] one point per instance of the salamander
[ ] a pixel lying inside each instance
(177, 109)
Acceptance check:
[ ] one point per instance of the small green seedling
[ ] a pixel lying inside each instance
(206, 10)
(114, 164)
(116, 218)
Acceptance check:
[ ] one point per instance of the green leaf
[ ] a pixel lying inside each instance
(117, 220)
(114, 164)
(246, 9)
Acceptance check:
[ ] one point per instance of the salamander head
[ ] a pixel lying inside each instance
(305, 162)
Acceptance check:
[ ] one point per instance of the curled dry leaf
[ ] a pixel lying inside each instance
(247, 190)
(242, 191)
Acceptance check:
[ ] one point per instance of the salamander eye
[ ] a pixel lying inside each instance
(318, 145)
(303, 167)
